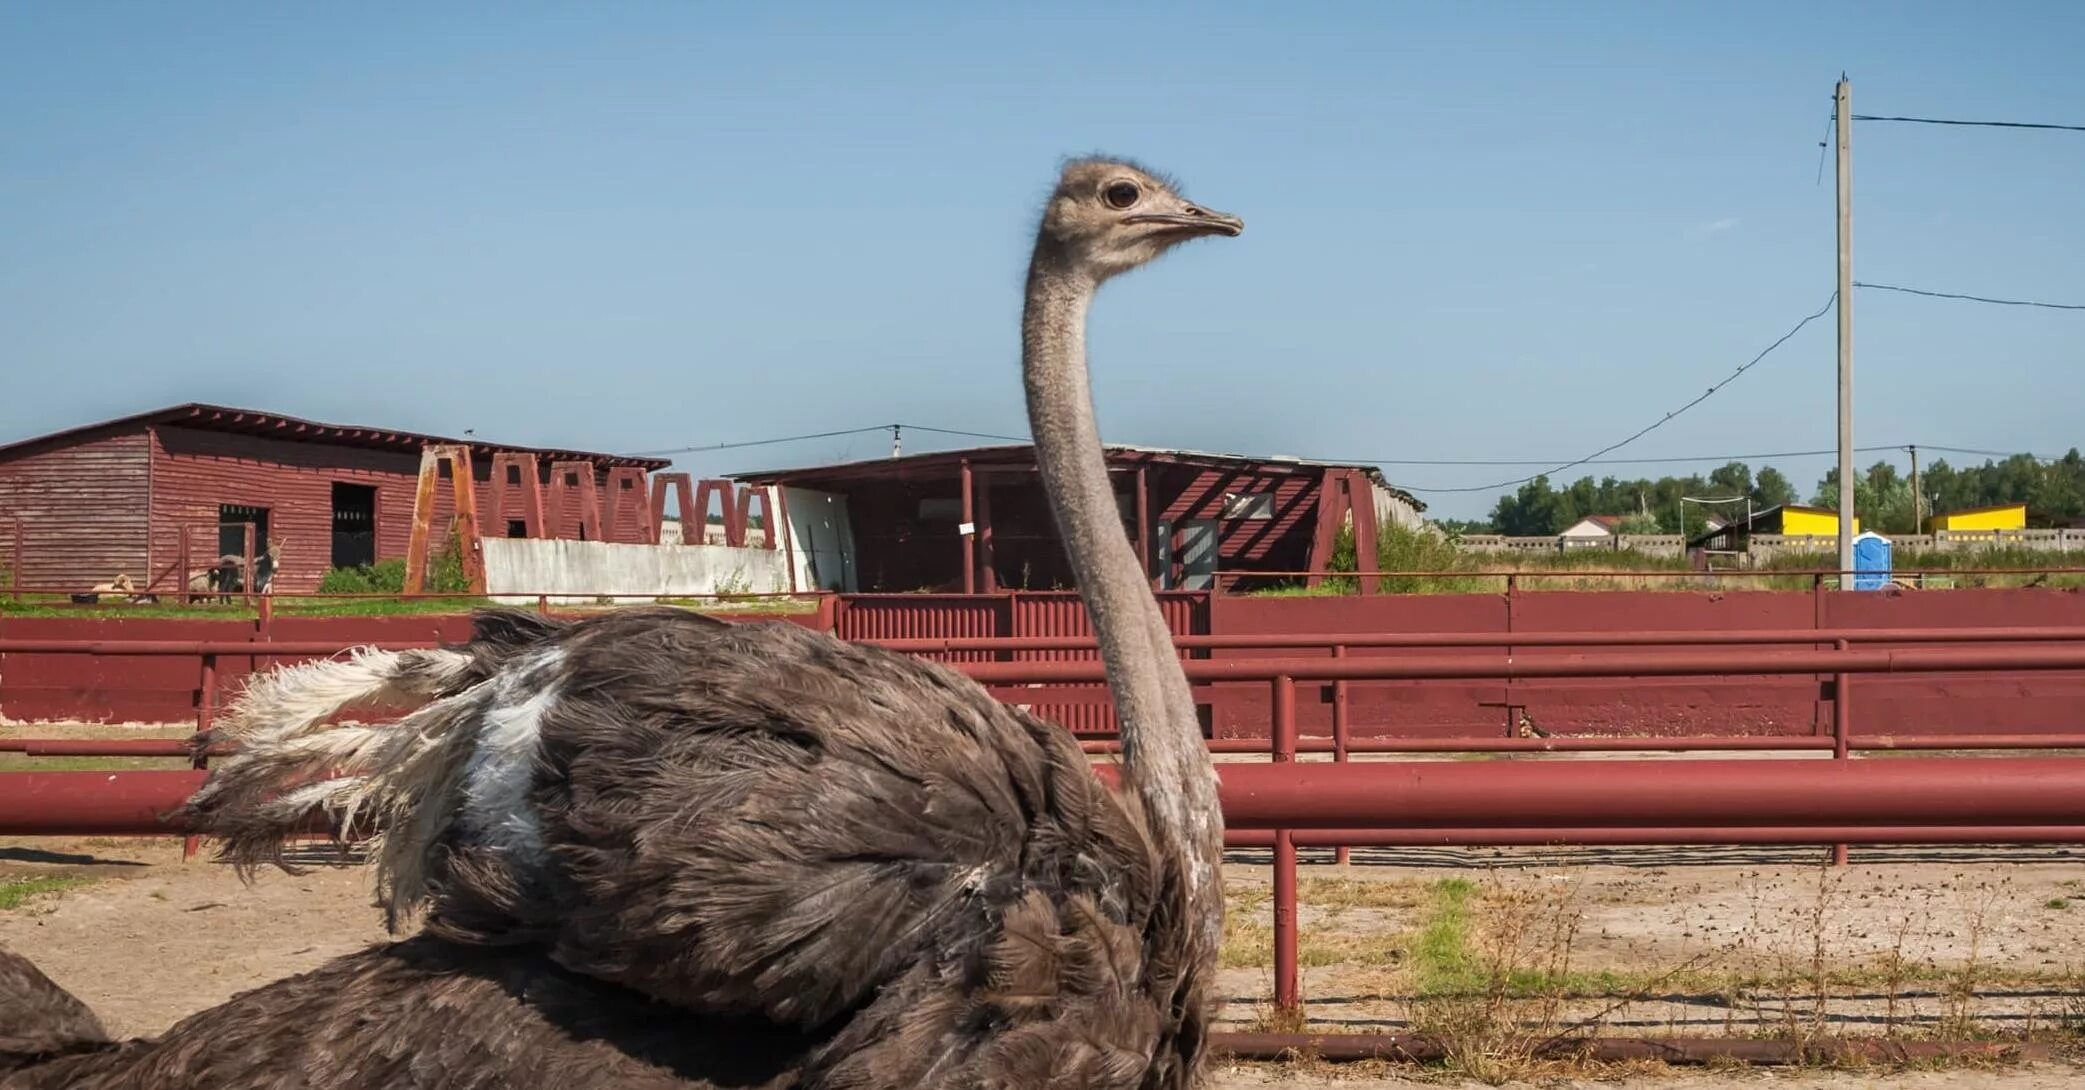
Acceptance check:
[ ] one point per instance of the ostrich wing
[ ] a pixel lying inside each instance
(759, 817)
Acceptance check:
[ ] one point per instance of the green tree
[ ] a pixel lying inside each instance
(1771, 489)
(1533, 511)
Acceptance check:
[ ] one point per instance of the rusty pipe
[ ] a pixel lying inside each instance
(1514, 667)
(1564, 638)
(1941, 792)
(93, 803)
(1426, 1048)
(1595, 836)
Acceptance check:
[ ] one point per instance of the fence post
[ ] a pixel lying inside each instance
(246, 557)
(1341, 855)
(205, 708)
(1842, 727)
(1287, 985)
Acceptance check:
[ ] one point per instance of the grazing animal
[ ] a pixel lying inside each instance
(654, 849)
(121, 584)
(226, 576)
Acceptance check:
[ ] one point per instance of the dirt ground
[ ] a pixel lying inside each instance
(1966, 941)
(147, 939)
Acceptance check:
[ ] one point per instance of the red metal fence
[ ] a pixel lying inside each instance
(165, 688)
(1286, 805)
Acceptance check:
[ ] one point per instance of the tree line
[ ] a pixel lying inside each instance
(2054, 491)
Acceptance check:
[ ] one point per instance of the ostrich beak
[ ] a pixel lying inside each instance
(1194, 219)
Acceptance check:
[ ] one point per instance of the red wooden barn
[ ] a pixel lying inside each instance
(116, 497)
(977, 519)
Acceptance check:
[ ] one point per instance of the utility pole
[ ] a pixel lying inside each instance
(897, 444)
(1918, 499)
(1842, 112)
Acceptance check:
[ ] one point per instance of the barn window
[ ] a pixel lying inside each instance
(232, 520)
(1248, 505)
(517, 528)
(354, 525)
(513, 474)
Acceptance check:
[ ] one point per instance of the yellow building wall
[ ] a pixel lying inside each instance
(1813, 523)
(2002, 518)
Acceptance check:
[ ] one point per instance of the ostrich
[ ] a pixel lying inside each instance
(650, 848)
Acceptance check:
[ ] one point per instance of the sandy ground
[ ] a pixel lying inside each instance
(1993, 936)
(2035, 1077)
(149, 939)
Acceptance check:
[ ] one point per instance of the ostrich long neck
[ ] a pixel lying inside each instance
(1164, 759)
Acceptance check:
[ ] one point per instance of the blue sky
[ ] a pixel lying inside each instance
(1474, 231)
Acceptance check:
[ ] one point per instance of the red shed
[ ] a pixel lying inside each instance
(977, 519)
(116, 497)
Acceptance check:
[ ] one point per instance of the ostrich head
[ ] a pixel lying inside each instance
(1109, 216)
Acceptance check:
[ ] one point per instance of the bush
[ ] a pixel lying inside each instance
(1402, 548)
(444, 576)
(382, 577)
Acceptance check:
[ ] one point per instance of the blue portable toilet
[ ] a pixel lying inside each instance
(1871, 561)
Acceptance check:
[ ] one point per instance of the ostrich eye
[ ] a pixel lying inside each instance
(1121, 194)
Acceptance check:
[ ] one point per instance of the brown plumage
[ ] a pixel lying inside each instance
(652, 848)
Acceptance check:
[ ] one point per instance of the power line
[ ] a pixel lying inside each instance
(1970, 298)
(1653, 425)
(1982, 124)
(2043, 458)
(742, 444)
(1674, 460)
(760, 442)
(967, 434)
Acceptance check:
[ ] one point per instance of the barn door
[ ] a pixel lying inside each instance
(1198, 539)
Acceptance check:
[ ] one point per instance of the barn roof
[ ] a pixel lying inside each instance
(260, 422)
(944, 463)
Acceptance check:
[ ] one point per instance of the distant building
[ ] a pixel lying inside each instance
(979, 518)
(1592, 530)
(2004, 516)
(118, 497)
(1787, 520)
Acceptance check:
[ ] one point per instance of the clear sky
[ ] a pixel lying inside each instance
(1474, 231)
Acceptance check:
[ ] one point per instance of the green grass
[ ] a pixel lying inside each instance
(360, 607)
(15, 892)
(22, 762)
(776, 606)
(1441, 953)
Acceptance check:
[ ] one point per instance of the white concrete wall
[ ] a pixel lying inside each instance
(519, 569)
(1393, 510)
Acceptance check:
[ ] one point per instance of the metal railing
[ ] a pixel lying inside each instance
(1286, 805)
(1516, 579)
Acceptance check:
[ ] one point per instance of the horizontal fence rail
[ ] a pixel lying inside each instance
(1626, 796)
(1286, 806)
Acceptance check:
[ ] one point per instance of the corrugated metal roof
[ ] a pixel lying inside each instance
(1007, 452)
(280, 426)
(937, 463)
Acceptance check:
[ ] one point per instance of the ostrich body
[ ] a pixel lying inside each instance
(655, 849)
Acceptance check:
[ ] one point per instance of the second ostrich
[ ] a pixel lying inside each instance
(656, 849)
